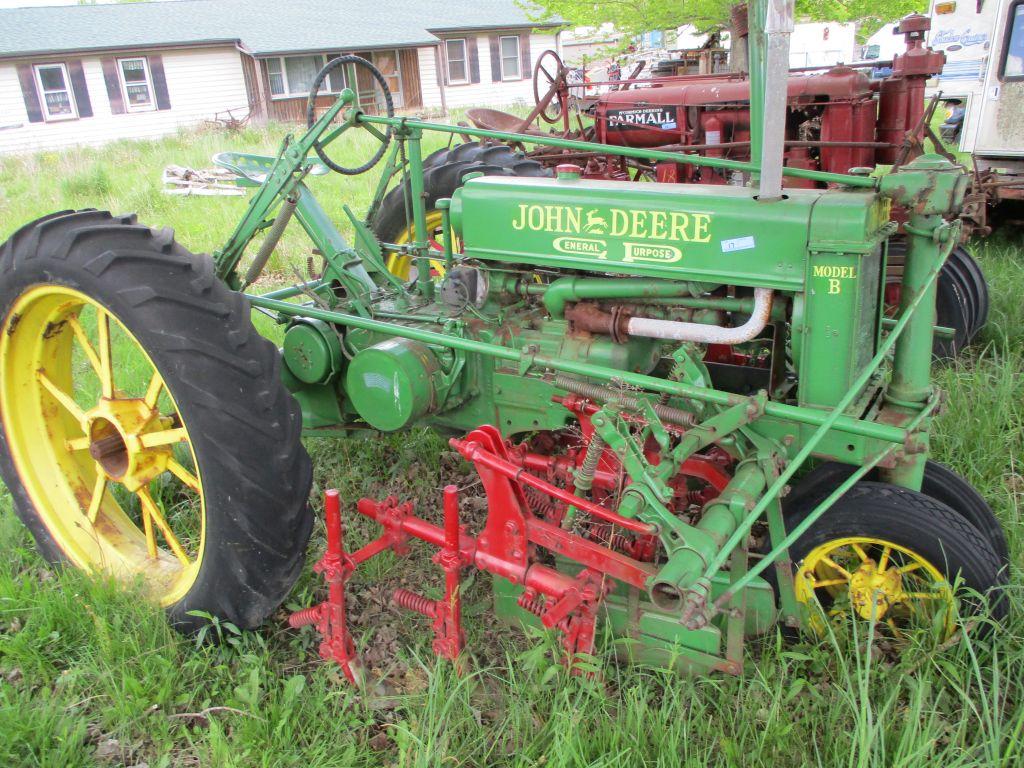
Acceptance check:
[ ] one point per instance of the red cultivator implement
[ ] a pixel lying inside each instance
(530, 520)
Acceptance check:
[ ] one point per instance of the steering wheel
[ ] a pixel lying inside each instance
(311, 118)
(549, 59)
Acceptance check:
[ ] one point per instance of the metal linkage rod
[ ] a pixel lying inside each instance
(606, 149)
(795, 413)
(742, 530)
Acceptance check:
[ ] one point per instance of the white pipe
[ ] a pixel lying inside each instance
(777, 28)
(707, 334)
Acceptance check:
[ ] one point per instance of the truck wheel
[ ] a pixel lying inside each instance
(897, 554)
(146, 432)
(940, 483)
(444, 172)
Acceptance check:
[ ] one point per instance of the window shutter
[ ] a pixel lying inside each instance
(113, 83)
(29, 93)
(474, 60)
(442, 61)
(81, 90)
(495, 42)
(156, 69)
(524, 55)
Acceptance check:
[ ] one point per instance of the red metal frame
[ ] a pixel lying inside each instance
(613, 547)
(506, 547)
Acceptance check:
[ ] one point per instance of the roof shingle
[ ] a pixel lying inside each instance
(261, 26)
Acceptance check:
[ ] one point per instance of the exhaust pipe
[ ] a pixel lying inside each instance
(777, 29)
(620, 324)
(674, 330)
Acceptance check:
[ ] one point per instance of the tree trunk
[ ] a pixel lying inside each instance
(738, 61)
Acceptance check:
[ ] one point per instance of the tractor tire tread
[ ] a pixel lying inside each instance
(919, 522)
(445, 173)
(244, 426)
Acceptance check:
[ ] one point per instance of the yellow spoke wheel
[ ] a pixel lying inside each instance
(892, 556)
(877, 580)
(99, 443)
(146, 432)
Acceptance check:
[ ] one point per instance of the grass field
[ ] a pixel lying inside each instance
(91, 675)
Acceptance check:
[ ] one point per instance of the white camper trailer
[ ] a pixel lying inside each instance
(962, 29)
(998, 140)
(984, 45)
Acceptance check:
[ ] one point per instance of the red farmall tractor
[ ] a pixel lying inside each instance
(838, 120)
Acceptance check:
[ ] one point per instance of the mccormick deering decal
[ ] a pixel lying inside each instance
(584, 232)
(642, 117)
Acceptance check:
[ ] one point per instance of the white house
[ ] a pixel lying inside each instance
(89, 74)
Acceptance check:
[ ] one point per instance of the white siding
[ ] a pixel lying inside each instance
(486, 93)
(200, 83)
(428, 77)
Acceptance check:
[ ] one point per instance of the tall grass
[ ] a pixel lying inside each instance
(91, 675)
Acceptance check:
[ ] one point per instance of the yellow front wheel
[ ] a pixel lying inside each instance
(894, 557)
(145, 432)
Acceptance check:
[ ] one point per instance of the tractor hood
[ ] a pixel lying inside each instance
(673, 231)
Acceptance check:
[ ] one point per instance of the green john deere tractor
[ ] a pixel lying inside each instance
(641, 374)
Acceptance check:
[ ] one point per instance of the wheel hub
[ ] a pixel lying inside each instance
(117, 430)
(874, 591)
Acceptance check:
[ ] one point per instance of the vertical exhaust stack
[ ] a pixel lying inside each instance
(771, 23)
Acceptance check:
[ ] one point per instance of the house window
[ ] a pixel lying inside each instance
(292, 76)
(136, 83)
(1013, 54)
(55, 88)
(455, 53)
(510, 58)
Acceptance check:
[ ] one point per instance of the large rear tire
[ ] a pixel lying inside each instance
(962, 298)
(444, 172)
(146, 432)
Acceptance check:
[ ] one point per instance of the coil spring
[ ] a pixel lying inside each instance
(620, 542)
(305, 617)
(532, 603)
(404, 598)
(678, 369)
(593, 392)
(540, 504)
(585, 476)
(695, 498)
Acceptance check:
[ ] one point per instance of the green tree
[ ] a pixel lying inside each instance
(634, 17)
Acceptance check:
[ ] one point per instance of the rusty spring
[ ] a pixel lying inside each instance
(585, 475)
(594, 392)
(678, 369)
(533, 603)
(540, 504)
(306, 617)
